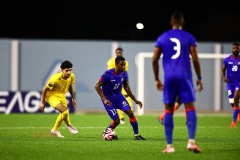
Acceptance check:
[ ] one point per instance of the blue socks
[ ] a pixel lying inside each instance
(191, 123)
(168, 124)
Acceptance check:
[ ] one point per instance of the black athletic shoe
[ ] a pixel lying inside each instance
(115, 137)
(139, 137)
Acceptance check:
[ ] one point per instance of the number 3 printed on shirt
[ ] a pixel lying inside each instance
(177, 48)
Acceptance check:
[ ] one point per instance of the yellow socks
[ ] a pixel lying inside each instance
(62, 117)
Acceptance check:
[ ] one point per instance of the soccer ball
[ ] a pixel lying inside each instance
(108, 134)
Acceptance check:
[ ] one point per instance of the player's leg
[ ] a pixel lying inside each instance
(188, 98)
(121, 116)
(168, 127)
(113, 114)
(231, 90)
(63, 109)
(170, 93)
(177, 104)
(235, 107)
(54, 102)
(123, 105)
(192, 126)
(239, 115)
(134, 123)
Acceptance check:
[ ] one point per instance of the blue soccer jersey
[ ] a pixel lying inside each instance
(175, 45)
(112, 83)
(233, 69)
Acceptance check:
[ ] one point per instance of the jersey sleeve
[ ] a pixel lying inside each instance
(103, 78)
(50, 83)
(126, 76)
(225, 62)
(193, 41)
(73, 79)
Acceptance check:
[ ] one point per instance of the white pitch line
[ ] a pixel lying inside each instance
(19, 128)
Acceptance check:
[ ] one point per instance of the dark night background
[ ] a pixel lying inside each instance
(116, 20)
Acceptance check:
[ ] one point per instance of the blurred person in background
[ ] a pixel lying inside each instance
(231, 64)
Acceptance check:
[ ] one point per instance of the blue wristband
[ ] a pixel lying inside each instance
(200, 78)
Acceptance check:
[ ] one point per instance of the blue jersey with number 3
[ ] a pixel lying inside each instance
(175, 44)
(112, 83)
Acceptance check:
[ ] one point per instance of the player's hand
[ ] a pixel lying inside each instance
(74, 102)
(107, 102)
(225, 79)
(42, 106)
(159, 85)
(139, 103)
(200, 85)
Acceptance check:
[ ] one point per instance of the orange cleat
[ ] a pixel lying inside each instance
(233, 125)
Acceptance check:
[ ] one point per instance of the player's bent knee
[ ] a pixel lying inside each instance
(116, 121)
(61, 108)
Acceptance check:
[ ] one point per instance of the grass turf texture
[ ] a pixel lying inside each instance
(27, 136)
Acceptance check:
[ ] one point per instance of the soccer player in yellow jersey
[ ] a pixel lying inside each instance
(110, 65)
(54, 93)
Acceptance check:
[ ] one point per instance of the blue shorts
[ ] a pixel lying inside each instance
(176, 86)
(231, 88)
(120, 103)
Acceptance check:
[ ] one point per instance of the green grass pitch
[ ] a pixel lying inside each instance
(27, 137)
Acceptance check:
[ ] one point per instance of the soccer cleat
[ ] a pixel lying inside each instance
(169, 149)
(122, 121)
(115, 137)
(193, 147)
(57, 133)
(233, 125)
(139, 137)
(72, 129)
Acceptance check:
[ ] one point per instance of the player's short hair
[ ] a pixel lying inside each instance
(66, 64)
(118, 59)
(178, 17)
(119, 49)
(236, 44)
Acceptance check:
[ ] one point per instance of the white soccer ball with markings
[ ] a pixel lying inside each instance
(108, 134)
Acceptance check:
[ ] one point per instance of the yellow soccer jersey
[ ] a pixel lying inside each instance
(111, 64)
(59, 86)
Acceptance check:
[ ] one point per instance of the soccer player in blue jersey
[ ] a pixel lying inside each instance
(177, 45)
(232, 66)
(109, 88)
(110, 65)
